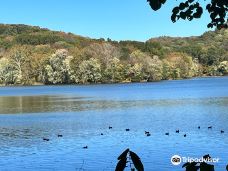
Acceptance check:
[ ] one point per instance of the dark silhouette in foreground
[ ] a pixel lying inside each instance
(132, 158)
(203, 166)
(193, 9)
(191, 166)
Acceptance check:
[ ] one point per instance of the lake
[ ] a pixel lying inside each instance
(82, 113)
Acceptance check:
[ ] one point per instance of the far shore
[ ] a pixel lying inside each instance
(99, 83)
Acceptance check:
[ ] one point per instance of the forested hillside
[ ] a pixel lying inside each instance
(31, 55)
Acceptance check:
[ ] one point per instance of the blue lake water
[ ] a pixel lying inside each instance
(82, 113)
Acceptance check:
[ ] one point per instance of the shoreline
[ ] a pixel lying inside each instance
(145, 82)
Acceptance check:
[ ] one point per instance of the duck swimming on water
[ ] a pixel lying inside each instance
(46, 139)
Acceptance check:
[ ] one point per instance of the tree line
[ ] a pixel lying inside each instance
(63, 58)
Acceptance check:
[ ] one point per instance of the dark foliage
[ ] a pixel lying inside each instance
(123, 159)
(192, 9)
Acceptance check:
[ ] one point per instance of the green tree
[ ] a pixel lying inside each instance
(57, 68)
(114, 71)
(90, 71)
(7, 72)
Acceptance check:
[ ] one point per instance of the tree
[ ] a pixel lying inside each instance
(136, 72)
(151, 66)
(166, 70)
(114, 71)
(21, 63)
(223, 68)
(192, 9)
(57, 68)
(182, 66)
(103, 51)
(7, 72)
(90, 71)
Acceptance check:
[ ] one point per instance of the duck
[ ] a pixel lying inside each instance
(198, 127)
(109, 127)
(60, 135)
(222, 131)
(178, 131)
(85, 147)
(102, 134)
(127, 129)
(46, 139)
(147, 132)
(210, 127)
(185, 135)
(167, 133)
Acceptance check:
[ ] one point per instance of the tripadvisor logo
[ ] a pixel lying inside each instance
(176, 160)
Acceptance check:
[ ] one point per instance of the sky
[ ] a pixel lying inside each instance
(115, 19)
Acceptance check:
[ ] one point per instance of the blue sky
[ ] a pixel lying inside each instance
(115, 19)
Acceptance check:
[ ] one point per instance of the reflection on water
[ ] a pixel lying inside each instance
(82, 113)
(42, 104)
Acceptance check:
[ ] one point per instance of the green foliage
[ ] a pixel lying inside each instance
(30, 54)
(113, 71)
(37, 39)
(90, 71)
(57, 69)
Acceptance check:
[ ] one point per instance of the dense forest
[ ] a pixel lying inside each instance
(32, 55)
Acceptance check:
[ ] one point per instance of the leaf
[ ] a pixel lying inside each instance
(121, 165)
(176, 10)
(182, 6)
(136, 161)
(190, 18)
(208, 7)
(162, 1)
(173, 18)
(182, 15)
(156, 4)
(210, 25)
(123, 155)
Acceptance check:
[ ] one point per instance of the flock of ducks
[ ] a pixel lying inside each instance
(147, 133)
